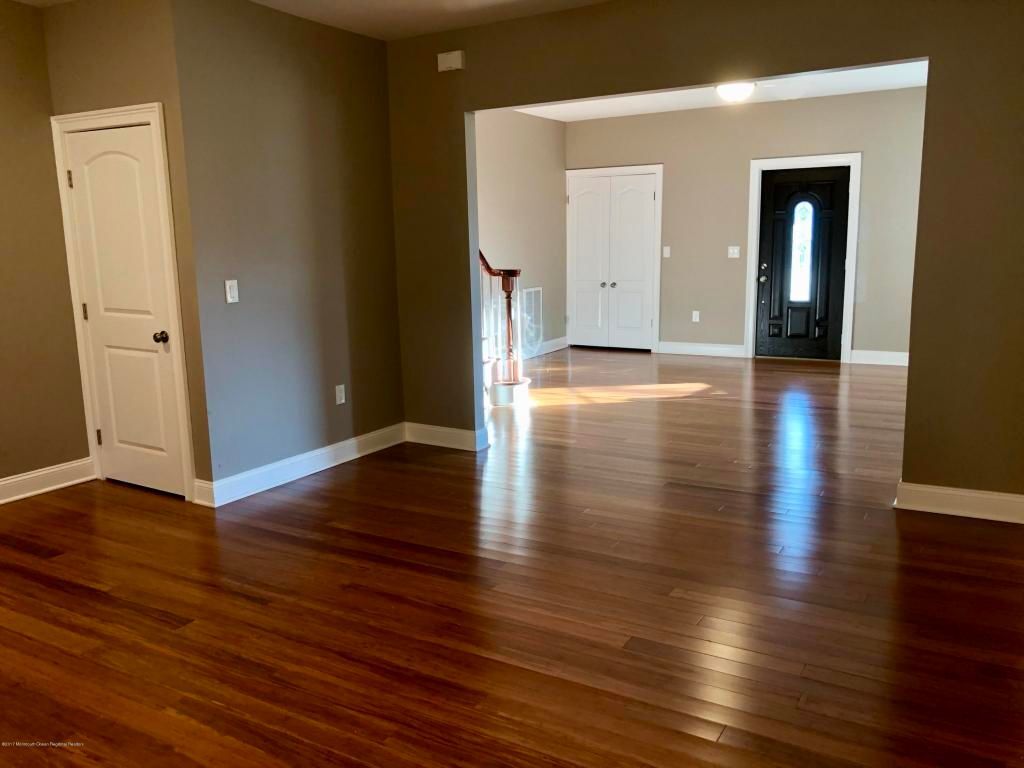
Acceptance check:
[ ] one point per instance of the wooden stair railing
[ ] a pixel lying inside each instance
(508, 278)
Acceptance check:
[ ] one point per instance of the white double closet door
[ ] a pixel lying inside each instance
(612, 244)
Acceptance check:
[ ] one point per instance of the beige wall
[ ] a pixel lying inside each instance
(285, 124)
(285, 188)
(520, 176)
(964, 424)
(707, 154)
(113, 53)
(42, 421)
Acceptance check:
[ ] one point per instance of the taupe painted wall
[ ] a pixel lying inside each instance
(964, 425)
(285, 126)
(42, 421)
(520, 176)
(285, 123)
(114, 53)
(707, 154)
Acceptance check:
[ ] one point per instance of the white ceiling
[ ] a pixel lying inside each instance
(394, 19)
(881, 78)
(391, 19)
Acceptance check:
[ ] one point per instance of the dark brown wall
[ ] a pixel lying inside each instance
(965, 425)
(114, 53)
(42, 421)
(286, 128)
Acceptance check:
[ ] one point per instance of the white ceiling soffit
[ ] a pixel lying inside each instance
(886, 77)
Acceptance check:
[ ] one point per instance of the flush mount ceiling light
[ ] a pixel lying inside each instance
(734, 92)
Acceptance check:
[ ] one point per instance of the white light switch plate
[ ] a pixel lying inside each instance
(339, 394)
(734, 251)
(231, 291)
(696, 316)
(666, 252)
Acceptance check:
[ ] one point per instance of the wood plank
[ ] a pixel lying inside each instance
(666, 561)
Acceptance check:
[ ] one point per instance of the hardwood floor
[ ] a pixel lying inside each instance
(668, 561)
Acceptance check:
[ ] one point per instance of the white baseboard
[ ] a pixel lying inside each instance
(551, 345)
(269, 476)
(872, 357)
(987, 505)
(46, 479)
(707, 350)
(202, 493)
(228, 489)
(446, 437)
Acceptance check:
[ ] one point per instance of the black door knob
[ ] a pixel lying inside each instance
(161, 337)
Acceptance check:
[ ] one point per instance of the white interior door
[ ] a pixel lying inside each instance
(631, 257)
(126, 281)
(587, 240)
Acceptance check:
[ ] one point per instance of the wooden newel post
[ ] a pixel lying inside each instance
(508, 287)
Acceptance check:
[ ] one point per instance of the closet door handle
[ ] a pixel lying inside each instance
(614, 284)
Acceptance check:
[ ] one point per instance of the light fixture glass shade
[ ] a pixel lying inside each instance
(734, 92)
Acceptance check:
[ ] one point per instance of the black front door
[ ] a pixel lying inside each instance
(802, 266)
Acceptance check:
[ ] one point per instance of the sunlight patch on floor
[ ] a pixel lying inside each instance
(625, 393)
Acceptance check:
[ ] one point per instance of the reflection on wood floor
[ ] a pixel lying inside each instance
(667, 561)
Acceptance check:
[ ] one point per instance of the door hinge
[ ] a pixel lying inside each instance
(71, 180)
(85, 311)
(566, 199)
(99, 437)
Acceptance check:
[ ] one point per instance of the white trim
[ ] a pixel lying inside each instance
(235, 487)
(851, 159)
(46, 479)
(986, 505)
(658, 169)
(202, 493)
(549, 346)
(618, 170)
(121, 117)
(228, 489)
(877, 357)
(706, 350)
(446, 437)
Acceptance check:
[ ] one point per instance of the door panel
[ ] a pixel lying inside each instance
(629, 310)
(588, 260)
(134, 421)
(116, 226)
(803, 262)
(127, 282)
(631, 256)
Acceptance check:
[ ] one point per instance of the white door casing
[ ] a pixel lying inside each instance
(121, 259)
(614, 245)
(587, 242)
(631, 288)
